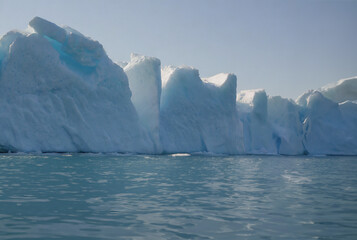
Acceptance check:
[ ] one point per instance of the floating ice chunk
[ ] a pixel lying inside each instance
(180, 155)
(144, 74)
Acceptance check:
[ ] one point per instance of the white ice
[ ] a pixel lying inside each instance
(252, 106)
(60, 92)
(329, 127)
(144, 74)
(284, 117)
(196, 115)
(343, 90)
(53, 100)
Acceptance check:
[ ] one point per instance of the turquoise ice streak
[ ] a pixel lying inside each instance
(183, 197)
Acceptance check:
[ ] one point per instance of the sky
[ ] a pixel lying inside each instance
(284, 46)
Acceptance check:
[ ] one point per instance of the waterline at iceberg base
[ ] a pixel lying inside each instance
(60, 92)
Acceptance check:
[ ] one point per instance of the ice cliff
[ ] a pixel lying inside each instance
(329, 127)
(60, 92)
(284, 115)
(144, 74)
(252, 106)
(198, 115)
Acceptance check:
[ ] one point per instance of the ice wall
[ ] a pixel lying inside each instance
(196, 115)
(144, 74)
(327, 129)
(258, 133)
(59, 92)
(285, 119)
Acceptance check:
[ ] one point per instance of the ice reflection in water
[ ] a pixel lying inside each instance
(177, 197)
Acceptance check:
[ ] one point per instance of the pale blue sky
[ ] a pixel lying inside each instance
(286, 47)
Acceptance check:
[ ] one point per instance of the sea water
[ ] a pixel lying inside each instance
(88, 196)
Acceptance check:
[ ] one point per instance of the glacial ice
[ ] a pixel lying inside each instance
(285, 117)
(343, 90)
(329, 127)
(46, 28)
(196, 115)
(144, 74)
(52, 100)
(60, 92)
(252, 106)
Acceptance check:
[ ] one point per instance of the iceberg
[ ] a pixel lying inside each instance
(59, 92)
(252, 106)
(284, 115)
(330, 118)
(198, 115)
(144, 74)
(329, 127)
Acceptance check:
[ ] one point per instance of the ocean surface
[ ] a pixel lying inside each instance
(88, 196)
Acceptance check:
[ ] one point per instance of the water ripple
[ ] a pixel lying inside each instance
(98, 196)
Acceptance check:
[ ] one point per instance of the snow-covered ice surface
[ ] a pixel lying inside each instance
(60, 92)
